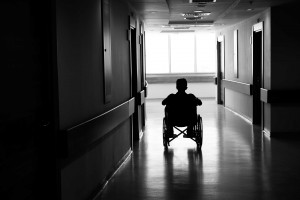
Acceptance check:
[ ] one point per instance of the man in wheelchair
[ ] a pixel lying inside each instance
(181, 109)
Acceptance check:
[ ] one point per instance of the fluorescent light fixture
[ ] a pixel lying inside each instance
(196, 14)
(190, 23)
(177, 31)
(202, 1)
(182, 27)
(204, 14)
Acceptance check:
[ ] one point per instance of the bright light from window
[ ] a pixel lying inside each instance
(182, 53)
(157, 58)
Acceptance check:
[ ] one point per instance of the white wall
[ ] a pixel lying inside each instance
(162, 90)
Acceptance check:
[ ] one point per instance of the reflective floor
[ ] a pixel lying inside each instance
(236, 162)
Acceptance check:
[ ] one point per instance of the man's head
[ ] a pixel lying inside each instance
(181, 84)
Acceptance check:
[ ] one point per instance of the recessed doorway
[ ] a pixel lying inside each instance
(257, 72)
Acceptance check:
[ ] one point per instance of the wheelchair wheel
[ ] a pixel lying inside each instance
(199, 132)
(165, 134)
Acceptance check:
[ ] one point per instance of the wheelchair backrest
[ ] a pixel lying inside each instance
(183, 115)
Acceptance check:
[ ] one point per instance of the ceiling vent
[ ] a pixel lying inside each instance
(181, 27)
(177, 31)
(202, 1)
(196, 14)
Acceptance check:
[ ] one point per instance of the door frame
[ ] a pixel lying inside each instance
(258, 28)
(220, 68)
(134, 73)
(142, 72)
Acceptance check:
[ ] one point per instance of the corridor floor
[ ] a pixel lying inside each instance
(236, 162)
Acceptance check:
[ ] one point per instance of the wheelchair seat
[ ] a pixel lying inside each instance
(177, 117)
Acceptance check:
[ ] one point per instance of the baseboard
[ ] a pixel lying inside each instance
(102, 186)
(240, 115)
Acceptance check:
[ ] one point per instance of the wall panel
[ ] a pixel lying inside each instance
(239, 103)
(80, 61)
(85, 176)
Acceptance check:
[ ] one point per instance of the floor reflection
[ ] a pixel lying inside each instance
(236, 162)
(183, 173)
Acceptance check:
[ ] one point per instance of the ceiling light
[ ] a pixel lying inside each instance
(189, 14)
(176, 26)
(193, 18)
(198, 11)
(204, 14)
(195, 14)
(177, 31)
(181, 27)
(250, 9)
(202, 1)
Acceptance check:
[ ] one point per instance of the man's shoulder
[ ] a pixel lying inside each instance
(169, 99)
(191, 95)
(170, 96)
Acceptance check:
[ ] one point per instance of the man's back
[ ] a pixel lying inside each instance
(181, 108)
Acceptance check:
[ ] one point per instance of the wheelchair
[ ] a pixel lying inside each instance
(181, 122)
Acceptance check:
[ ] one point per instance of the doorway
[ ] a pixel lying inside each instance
(257, 72)
(135, 82)
(143, 74)
(220, 69)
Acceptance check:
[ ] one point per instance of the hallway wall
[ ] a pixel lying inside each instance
(81, 94)
(285, 54)
(237, 101)
(26, 134)
(281, 68)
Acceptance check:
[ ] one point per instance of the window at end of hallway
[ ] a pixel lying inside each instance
(168, 53)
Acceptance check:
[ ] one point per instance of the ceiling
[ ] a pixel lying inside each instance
(167, 15)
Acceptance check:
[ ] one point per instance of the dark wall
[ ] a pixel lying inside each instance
(81, 94)
(285, 67)
(80, 61)
(285, 47)
(25, 99)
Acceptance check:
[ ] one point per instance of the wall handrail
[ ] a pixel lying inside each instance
(240, 87)
(79, 137)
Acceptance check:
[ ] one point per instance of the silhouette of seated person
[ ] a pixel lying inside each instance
(181, 109)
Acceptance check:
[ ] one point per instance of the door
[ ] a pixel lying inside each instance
(137, 78)
(142, 74)
(27, 126)
(220, 69)
(135, 81)
(257, 70)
